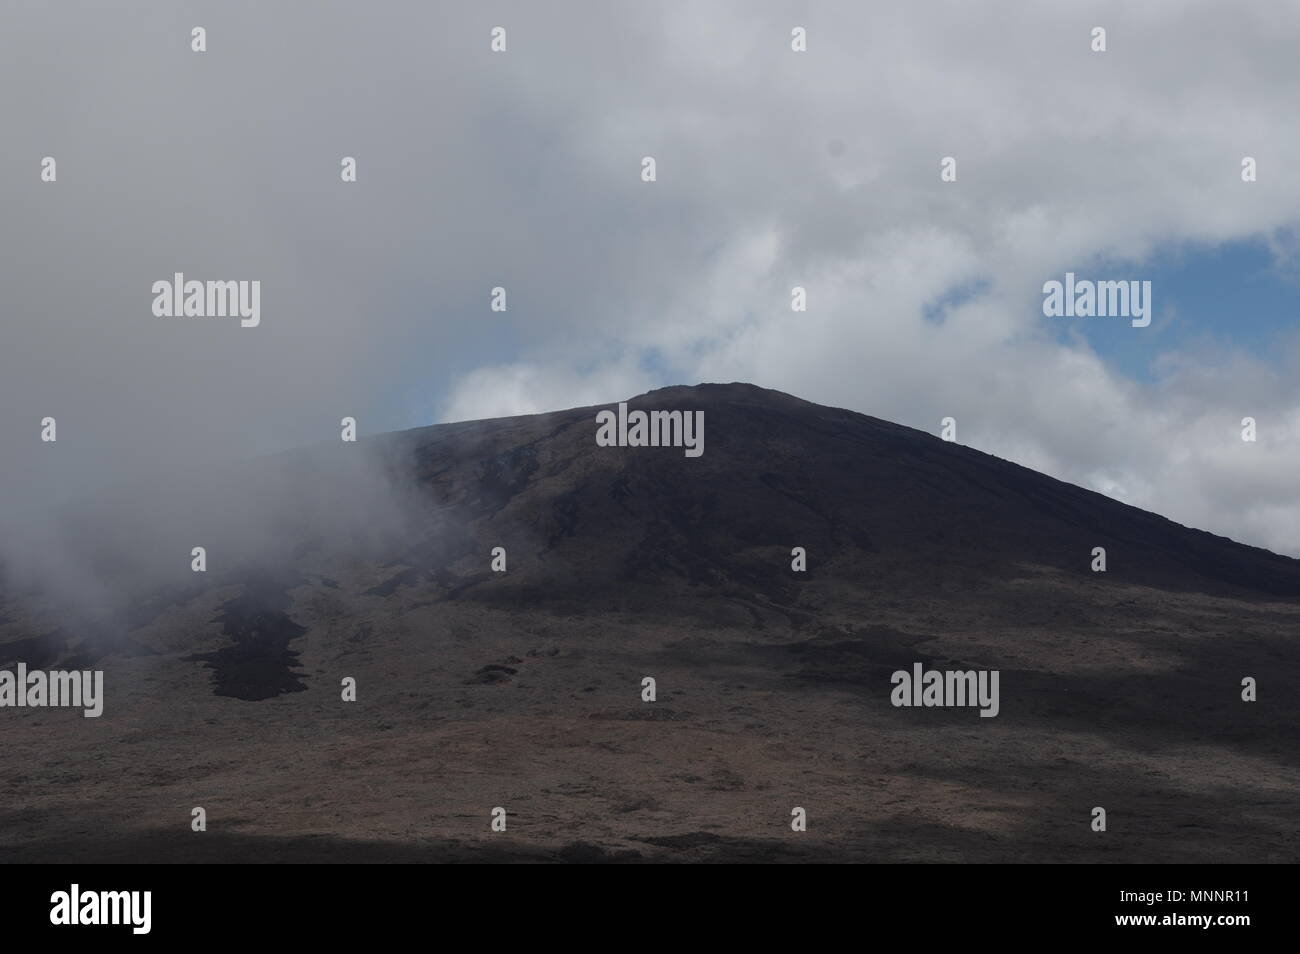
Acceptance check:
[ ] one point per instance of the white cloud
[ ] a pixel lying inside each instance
(775, 169)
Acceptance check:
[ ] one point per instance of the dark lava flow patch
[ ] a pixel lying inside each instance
(259, 665)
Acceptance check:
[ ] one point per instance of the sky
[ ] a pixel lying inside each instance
(774, 169)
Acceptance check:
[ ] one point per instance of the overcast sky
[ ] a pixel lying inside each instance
(774, 169)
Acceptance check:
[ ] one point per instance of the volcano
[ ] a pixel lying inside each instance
(501, 634)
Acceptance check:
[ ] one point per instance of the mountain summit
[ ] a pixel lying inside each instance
(867, 499)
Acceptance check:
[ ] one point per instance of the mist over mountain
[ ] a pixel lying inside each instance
(522, 687)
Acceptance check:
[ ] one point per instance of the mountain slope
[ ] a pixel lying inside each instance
(523, 688)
